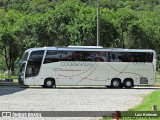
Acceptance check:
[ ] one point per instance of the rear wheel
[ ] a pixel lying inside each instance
(128, 83)
(49, 83)
(116, 83)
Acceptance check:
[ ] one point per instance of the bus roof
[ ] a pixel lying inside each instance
(90, 48)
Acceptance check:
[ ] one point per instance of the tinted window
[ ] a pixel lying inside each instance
(52, 56)
(22, 68)
(25, 56)
(115, 56)
(83, 56)
(130, 57)
(98, 56)
(67, 56)
(142, 57)
(36, 56)
(149, 57)
(104, 56)
(90, 56)
(33, 68)
(34, 63)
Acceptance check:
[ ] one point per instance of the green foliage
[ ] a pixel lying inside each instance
(146, 105)
(150, 100)
(9, 43)
(38, 23)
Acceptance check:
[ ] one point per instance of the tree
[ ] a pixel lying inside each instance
(124, 18)
(8, 39)
(108, 31)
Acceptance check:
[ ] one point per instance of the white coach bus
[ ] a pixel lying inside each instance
(117, 68)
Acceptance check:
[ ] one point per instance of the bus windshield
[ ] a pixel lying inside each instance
(34, 63)
(22, 67)
(25, 56)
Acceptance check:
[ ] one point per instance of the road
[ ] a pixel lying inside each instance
(70, 99)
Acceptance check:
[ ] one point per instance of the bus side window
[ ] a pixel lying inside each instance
(149, 57)
(109, 57)
(100, 57)
(113, 56)
(105, 56)
(80, 56)
(77, 56)
(126, 57)
(130, 59)
(52, 56)
(67, 55)
(116, 57)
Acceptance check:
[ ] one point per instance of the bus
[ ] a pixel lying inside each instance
(87, 65)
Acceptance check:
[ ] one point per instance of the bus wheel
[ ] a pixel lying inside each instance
(116, 83)
(128, 83)
(49, 83)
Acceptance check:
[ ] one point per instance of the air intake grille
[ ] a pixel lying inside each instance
(143, 80)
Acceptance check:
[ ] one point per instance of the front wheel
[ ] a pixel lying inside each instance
(49, 83)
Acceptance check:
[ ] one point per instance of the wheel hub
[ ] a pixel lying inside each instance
(115, 83)
(49, 83)
(128, 83)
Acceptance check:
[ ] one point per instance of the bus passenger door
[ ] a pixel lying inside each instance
(29, 77)
(30, 73)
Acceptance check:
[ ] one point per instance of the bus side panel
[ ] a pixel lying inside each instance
(143, 72)
(99, 74)
(151, 74)
(120, 70)
(47, 71)
(64, 74)
(107, 71)
(82, 73)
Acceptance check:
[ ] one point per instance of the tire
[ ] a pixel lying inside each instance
(128, 83)
(116, 83)
(49, 83)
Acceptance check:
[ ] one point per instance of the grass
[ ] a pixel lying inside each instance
(149, 101)
(146, 105)
(4, 75)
